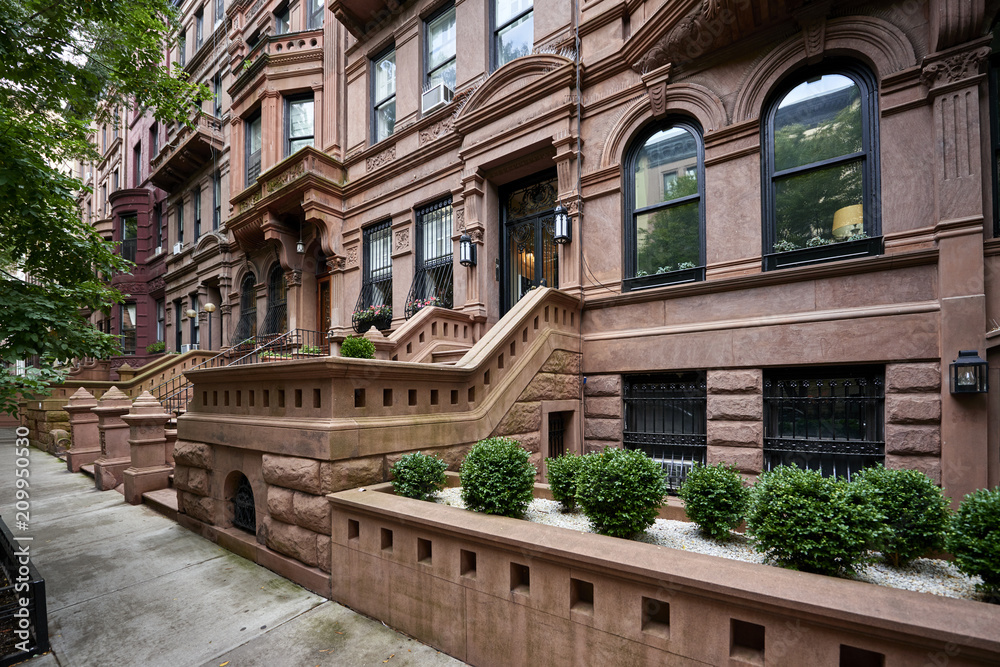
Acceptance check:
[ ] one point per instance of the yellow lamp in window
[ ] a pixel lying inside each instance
(848, 221)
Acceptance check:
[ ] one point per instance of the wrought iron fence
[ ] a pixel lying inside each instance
(244, 511)
(374, 307)
(665, 418)
(37, 641)
(830, 421)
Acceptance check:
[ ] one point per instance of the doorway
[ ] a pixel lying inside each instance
(527, 212)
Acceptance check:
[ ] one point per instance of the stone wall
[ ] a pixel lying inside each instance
(602, 412)
(42, 417)
(193, 463)
(735, 413)
(913, 418)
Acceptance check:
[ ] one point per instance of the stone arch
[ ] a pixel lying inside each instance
(205, 241)
(504, 82)
(878, 43)
(629, 121)
(240, 502)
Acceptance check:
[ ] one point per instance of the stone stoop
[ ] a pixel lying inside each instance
(162, 501)
(88, 470)
(449, 357)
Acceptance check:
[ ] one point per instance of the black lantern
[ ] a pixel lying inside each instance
(466, 251)
(968, 374)
(564, 226)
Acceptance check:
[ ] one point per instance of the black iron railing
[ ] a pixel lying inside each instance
(372, 308)
(432, 286)
(557, 434)
(23, 582)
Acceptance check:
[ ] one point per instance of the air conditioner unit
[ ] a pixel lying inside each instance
(158, 250)
(177, 248)
(189, 347)
(435, 96)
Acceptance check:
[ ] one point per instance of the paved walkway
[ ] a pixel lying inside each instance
(127, 586)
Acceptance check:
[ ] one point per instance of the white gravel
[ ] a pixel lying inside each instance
(925, 575)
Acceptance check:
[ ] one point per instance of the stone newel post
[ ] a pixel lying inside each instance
(86, 447)
(149, 470)
(114, 458)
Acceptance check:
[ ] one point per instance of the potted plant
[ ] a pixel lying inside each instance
(378, 316)
(156, 348)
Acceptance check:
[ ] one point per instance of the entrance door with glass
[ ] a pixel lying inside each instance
(527, 210)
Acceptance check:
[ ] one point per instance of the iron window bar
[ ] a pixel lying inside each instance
(433, 281)
(374, 305)
(244, 511)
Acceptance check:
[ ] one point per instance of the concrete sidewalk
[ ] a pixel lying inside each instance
(127, 586)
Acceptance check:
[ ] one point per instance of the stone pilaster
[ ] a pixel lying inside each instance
(913, 418)
(602, 412)
(735, 413)
(147, 442)
(114, 433)
(86, 445)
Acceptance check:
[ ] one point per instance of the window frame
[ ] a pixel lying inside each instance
(867, 84)
(283, 19)
(289, 101)
(429, 273)
(377, 233)
(247, 124)
(196, 201)
(631, 282)
(435, 15)
(217, 97)
(129, 335)
(216, 200)
(158, 224)
(182, 49)
(495, 32)
(376, 103)
(315, 10)
(199, 28)
(137, 165)
(180, 222)
(161, 320)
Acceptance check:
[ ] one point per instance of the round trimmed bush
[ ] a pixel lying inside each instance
(804, 521)
(562, 472)
(357, 348)
(974, 539)
(915, 511)
(497, 477)
(620, 491)
(418, 476)
(715, 498)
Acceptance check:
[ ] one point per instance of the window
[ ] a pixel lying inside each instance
(182, 50)
(820, 171)
(665, 418)
(440, 52)
(374, 307)
(432, 279)
(137, 165)
(314, 9)
(665, 227)
(246, 326)
(217, 91)
(513, 30)
(195, 322)
(282, 20)
(177, 325)
(831, 420)
(253, 143)
(180, 222)
(104, 198)
(220, 11)
(104, 138)
(276, 317)
(161, 320)
(158, 225)
(298, 123)
(216, 200)
(384, 95)
(199, 28)
(154, 141)
(126, 321)
(114, 126)
(196, 199)
(130, 233)
(114, 181)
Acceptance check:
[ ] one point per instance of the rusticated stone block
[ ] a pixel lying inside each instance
(453, 456)
(735, 408)
(562, 362)
(735, 434)
(603, 406)
(910, 439)
(181, 476)
(603, 385)
(913, 408)
(735, 382)
(193, 454)
(597, 446)
(521, 418)
(198, 507)
(198, 482)
(901, 378)
(551, 387)
(312, 512)
(929, 465)
(291, 472)
(280, 504)
(323, 552)
(744, 459)
(602, 429)
(352, 473)
(291, 540)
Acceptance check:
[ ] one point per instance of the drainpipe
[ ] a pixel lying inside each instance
(579, 219)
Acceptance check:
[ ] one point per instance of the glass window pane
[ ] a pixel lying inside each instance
(441, 39)
(437, 234)
(385, 76)
(253, 132)
(508, 9)
(296, 144)
(667, 240)
(445, 75)
(824, 204)
(300, 118)
(666, 167)
(385, 120)
(130, 228)
(516, 40)
(819, 119)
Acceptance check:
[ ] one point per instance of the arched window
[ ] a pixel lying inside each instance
(246, 326)
(244, 510)
(820, 190)
(665, 221)
(276, 319)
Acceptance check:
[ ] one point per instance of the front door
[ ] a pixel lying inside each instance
(528, 215)
(323, 307)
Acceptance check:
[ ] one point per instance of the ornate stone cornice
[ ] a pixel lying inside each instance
(380, 159)
(954, 68)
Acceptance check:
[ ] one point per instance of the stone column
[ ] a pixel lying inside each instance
(86, 447)
(735, 413)
(108, 469)
(147, 443)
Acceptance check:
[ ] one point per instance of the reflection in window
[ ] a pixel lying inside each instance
(299, 116)
(384, 95)
(315, 14)
(441, 48)
(513, 34)
(127, 327)
(432, 278)
(282, 20)
(665, 234)
(253, 143)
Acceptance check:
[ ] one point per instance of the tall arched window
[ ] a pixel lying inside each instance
(665, 221)
(246, 326)
(820, 190)
(276, 319)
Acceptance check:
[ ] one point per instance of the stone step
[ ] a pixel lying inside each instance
(448, 357)
(163, 501)
(88, 470)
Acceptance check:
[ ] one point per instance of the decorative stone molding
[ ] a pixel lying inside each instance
(352, 256)
(437, 130)
(286, 176)
(954, 68)
(459, 216)
(225, 309)
(250, 201)
(402, 240)
(953, 22)
(293, 277)
(157, 284)
(814, 36)
(336, 263)
(477, 235)
(381, 159)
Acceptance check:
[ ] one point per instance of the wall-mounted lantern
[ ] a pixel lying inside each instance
(466, 251)
(968, 374)
(564, 226)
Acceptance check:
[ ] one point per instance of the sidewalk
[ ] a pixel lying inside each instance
(126, 586)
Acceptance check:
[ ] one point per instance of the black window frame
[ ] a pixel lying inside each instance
(137, 165)
(315, 10)
(372, 284)
(276, 315)
(495, 32)
(429, 274)
(217, 97)
(196, 201)
(373, 114)
(154, 141)
(630, 281)
(249, 161)
(289, 101)
(282, 15)
(199, 28)
(180, 222)
(161, 320)
(128, 336)
(158, 224)
(246, 324)
(869, 155)
(438, 13)
(129, 246)
(216, 200)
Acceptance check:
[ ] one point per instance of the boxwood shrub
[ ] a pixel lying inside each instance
(804, 521)
(915, 511)
(562, 472)
(357, 348)
(715, 498)
(497, 477)
(974, 539)
(418, 475)
(620, 491)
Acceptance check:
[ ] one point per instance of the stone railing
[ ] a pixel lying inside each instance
(433, 329)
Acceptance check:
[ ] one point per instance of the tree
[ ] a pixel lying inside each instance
(65, 65)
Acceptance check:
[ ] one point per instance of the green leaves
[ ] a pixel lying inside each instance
(418, 476)
(620, 490)
(974, 539)
(715, 498)
(497, 477)
(562, 473)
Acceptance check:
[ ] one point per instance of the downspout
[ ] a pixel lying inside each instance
(579, 219)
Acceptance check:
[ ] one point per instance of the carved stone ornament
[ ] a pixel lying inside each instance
(352, 256)
(814, 36)
(459, 214)
(477, 235)
(286, 176)
(225, 309)
(693, 36)
(381, 159)
(437, 130)
(955, 68)
(249, 203)
(293, 277)
(402, 239)
(336, 263)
